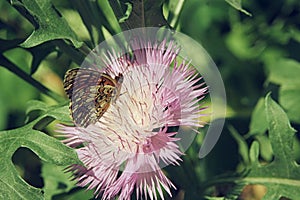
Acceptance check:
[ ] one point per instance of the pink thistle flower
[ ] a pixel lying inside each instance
(124, 150)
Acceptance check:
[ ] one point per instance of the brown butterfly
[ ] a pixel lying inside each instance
(91, 93)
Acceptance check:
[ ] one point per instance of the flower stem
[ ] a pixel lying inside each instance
(20, 73)
(75, 55)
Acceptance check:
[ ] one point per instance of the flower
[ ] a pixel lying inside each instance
(125, 149)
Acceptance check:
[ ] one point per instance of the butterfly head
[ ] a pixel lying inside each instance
(119, 78)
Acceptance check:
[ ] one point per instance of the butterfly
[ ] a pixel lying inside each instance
(91, 93)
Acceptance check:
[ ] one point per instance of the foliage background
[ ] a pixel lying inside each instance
(255, 54)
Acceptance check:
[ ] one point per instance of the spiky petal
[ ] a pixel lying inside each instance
(125, 150)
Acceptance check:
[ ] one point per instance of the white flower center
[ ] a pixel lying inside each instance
(130, 121)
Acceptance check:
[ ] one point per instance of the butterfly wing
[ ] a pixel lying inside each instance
(90, 92)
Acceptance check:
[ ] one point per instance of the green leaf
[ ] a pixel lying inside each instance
(47, 148)
(243, 147)
(77, 194)
(289, 98)
(9, 44)
(241, 43)
(258, 124)
(284, 71)
(19, 57)
(258, 127)
(237, 4)
(74, 19)
(51, 25)
(54, 177)
(254, 153)
(122, 10)
(109, 14)
(145, 13)
(58, 112)
(295, 33)
(282, 175)
(215, 198)
(126, 15)
(265, 147)
(174, 8)
(92, 17)
(39, 53)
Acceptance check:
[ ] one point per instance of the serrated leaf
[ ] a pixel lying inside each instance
(282, 175)
(289, 98)
(258, 126)
(280, 131)
(237, 4)
(51, 25)
(58, 112)
(47, 148)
